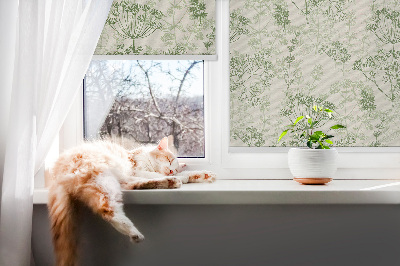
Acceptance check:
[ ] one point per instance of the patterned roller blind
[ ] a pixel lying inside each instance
(159, 27)
(288, 55)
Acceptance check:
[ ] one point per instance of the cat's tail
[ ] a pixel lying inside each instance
(62, 212)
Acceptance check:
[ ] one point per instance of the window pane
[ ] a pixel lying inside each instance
(140, 102)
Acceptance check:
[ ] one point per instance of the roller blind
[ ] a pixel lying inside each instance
(287, 55)
(160, 27)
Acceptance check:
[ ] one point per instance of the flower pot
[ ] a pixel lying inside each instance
(311, 166)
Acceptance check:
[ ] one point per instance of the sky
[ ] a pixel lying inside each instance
(196, 83)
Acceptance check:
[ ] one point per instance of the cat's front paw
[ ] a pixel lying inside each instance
(137, 237)
(182, 167)
(202, 177)
(174, 182)
(210, 177)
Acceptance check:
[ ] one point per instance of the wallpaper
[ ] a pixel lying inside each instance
(155, 27)
(288, 55)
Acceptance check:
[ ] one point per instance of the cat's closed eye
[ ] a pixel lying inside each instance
(166, 158)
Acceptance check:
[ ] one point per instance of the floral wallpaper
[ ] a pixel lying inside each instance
(154, 27)
(288, 55)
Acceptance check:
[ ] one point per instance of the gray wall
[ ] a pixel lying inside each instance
(237, 235)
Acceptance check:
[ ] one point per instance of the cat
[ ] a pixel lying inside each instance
(94, 173)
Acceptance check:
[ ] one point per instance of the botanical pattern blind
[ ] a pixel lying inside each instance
(159, 27)
(288, 55)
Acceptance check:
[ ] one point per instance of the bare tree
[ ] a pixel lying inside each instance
(144, 112)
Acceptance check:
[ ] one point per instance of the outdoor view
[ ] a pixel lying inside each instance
(139, 102)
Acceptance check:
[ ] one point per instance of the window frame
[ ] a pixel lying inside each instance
(246, 163)
(154, 58)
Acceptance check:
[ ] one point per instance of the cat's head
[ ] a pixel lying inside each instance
(164, 161)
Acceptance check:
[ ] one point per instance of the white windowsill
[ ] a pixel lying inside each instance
(264, 192)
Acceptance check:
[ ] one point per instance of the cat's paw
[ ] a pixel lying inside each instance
(210, 177)
(182, 167)
(174, 182)
(201, 177)
(137, 237)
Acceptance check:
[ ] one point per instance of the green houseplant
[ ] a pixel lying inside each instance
(316, 162)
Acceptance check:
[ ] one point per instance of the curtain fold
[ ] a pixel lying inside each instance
(8, 24)
(55, 43)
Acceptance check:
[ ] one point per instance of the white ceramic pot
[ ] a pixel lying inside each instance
(312, 166)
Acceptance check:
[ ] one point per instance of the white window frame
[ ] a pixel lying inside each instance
(246, 163)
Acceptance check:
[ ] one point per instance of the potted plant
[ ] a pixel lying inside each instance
(315, 163)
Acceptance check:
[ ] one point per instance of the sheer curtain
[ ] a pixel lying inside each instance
(55, 40)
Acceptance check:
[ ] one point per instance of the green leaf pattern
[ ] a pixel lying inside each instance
(159, 27)
(288, 55)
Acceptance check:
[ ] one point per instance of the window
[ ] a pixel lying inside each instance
(142, 101)
(288, 56)
(219, 156)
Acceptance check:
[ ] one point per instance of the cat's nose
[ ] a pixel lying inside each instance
(171, 172)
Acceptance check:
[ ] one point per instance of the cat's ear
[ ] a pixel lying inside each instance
(171, 146)
(163, 145)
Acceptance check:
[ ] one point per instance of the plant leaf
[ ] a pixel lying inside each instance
(319, 133)
(327, 137)
(314, 137)
(283, 134)
(329, 141)
(328, 110)
(309, 144)
(337, 127)
(297, 120)
(310, 121)
(322, 145)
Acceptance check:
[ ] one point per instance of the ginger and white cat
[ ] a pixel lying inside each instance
(94, 174)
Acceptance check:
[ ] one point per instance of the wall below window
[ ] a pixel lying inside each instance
(276, 235)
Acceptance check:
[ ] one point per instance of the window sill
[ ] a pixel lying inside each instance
(264, 192)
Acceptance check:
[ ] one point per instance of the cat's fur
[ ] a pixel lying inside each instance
(94, 174)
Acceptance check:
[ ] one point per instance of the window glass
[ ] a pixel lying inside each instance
(141, 101)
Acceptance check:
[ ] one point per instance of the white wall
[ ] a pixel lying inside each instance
(326, 235)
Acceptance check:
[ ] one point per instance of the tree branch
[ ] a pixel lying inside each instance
(162, 117)
(146, 72)
(182, 81)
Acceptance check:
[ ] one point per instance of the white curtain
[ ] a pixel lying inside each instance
(55, 40)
